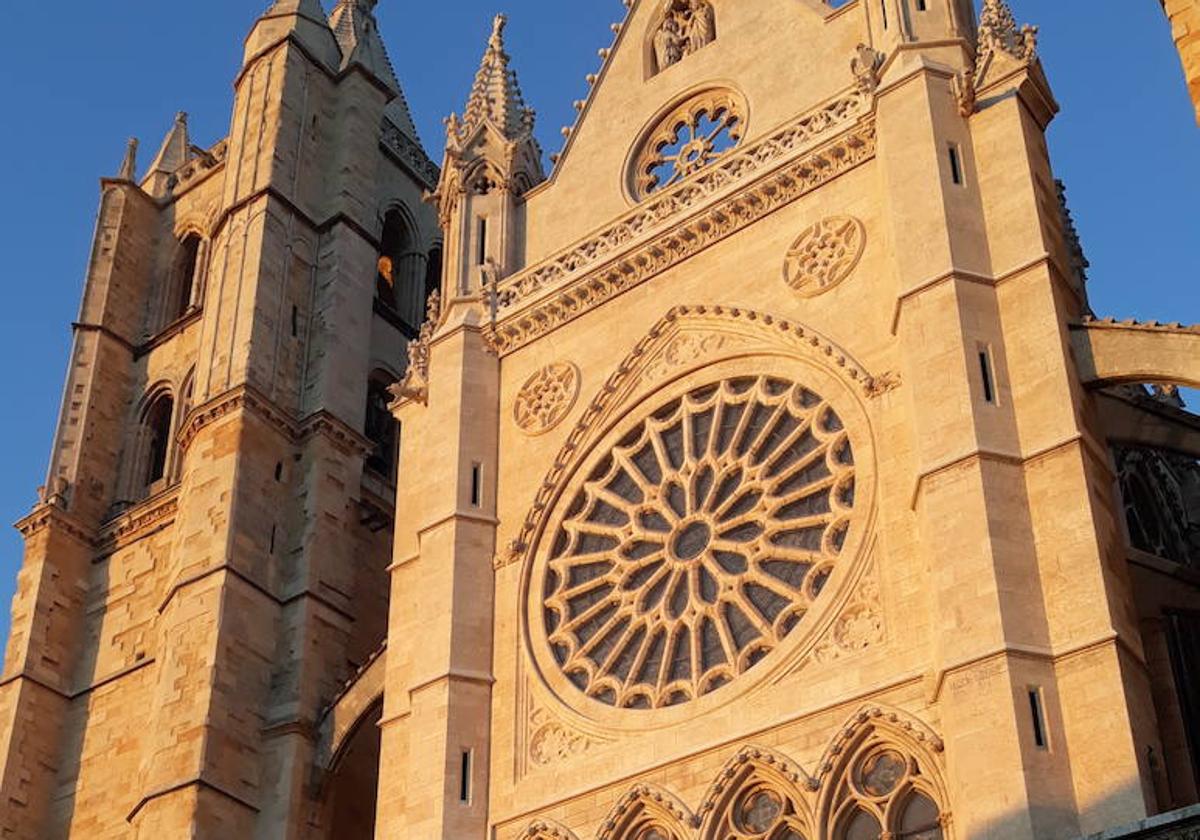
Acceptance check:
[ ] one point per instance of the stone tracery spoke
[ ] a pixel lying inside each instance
(689, 553)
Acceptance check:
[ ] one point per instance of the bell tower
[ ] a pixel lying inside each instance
(207, 564)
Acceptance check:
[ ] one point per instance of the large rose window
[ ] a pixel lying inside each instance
(698, 542)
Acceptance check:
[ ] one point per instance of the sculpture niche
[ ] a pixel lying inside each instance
(687, 26)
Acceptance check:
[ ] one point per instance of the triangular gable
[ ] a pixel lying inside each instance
(780, 59)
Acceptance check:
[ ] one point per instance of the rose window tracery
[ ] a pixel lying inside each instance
(691, 137)
(698, 542)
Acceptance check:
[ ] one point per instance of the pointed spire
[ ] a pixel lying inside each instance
(174, 150)
(496, 95)
(357, 33)
(128, 170)
(303, 20)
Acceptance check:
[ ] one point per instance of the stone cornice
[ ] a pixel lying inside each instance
(138, 521)
(45, 515)
(343, 437)
(564, 287)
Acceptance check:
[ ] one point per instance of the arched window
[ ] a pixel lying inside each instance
(156, 439)
(401, 272)
(381, 425)
(180, 292)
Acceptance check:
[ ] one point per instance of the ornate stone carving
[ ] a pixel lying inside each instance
(546, 398)
(647, 811)
(865, 66)
(409, 154)
(696, 133)
(552, 742)
(687, 26)
(685, 349)
(824, 255)
(415, 384)
(858, 627)
(722, 220)
(546, 830)
(738, 167)
(1001, 46)
(699, 542)
(793, 337)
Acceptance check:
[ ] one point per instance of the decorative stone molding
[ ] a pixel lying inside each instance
(686, 349)
(882, 384)
(735, 169)
(46, 515)
(824, 255)
(552, 742)
(546, 398)
(414, 387)
(346, 439)
(705, 127)
(679, 320)
(646, 805)
(747, 761)
(869, 719)
(543, 829)
(142, 519)
(860, 625)
(651, 259)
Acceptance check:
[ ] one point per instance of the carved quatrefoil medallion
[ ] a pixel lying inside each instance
(546, 398)
(824, 255)
(698, 542)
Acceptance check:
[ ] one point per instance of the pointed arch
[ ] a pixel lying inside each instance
(542, 829)
(758, 794)
(643, 812)
(883, 772)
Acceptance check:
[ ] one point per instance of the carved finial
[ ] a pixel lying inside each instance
(128, 170)
(496, 42)
(998, 31)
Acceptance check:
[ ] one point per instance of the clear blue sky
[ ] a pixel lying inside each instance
(79, 77)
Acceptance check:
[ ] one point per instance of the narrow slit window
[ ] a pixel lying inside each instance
(295, 322)
(1039, 718)
(279, 470)
(464, 779)
(956, 169)
(272, 550)
(920, 5)
(883, 8)
(481, 255)
(476, 485)
(985, 372)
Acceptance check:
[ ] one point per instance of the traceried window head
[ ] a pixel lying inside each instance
(156, 439)
(698, 542)
(691, 137)
(886, 794)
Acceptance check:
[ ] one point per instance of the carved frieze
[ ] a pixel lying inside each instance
(546, 398)
(824, 255)
(552, 742)
(722, 220)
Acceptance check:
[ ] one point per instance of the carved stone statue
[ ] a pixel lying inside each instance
(702, 29)
(669, 43)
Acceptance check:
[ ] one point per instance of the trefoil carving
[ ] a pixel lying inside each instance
(865, 65)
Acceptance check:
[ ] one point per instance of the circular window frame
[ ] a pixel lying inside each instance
(846, 401)
(658, 122)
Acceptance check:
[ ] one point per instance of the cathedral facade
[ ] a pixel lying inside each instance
(757, 470)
